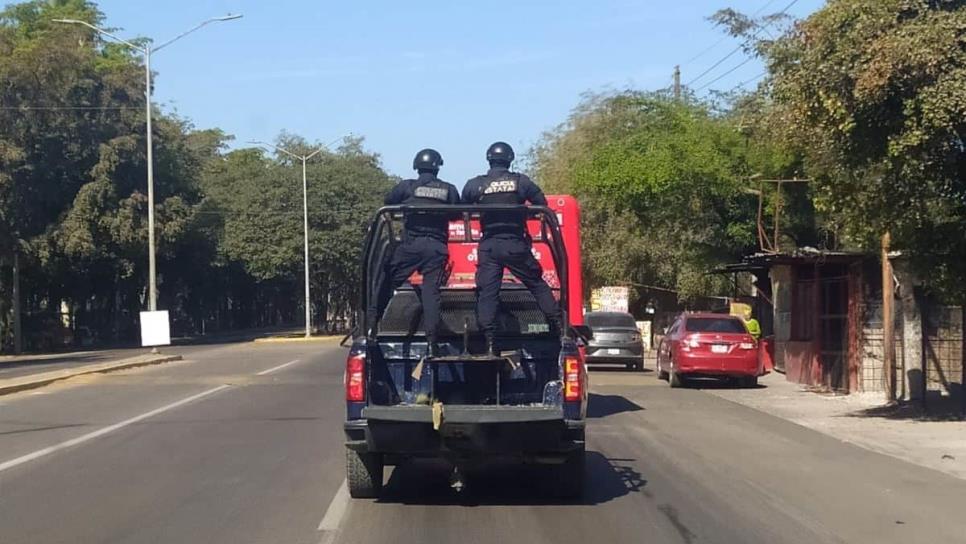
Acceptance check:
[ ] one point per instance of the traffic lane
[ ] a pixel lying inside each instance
(257, 462)
(48, 363)
(184, 347)
(32, 420)
(677, 466)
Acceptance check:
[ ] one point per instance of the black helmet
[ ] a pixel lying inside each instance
(500, 152)
(428, 159)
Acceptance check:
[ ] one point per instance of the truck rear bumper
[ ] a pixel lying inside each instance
(464, 431)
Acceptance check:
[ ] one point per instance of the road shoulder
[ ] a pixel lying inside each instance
(40, 379)
(861, 420)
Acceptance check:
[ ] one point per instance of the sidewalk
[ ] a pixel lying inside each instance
(863, 420)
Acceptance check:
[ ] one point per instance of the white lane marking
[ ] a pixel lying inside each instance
(279, 367)
(335, 512)
(105, 430)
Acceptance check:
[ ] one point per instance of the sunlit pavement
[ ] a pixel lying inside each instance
(243, 443)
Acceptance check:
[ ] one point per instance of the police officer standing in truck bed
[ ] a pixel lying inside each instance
(424, 242)
(506, 242)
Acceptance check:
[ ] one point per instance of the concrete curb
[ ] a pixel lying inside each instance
(295, 340)
(33, 381)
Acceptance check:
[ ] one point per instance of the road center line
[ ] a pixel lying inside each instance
(105, 430)
(335, 512)
(279, 367)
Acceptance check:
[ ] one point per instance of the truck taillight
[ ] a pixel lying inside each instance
(572, 379)
(355, 379)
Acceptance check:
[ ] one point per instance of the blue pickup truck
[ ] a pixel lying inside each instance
(528, 404)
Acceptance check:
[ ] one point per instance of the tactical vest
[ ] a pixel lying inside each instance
(502, 188)
(427, 193)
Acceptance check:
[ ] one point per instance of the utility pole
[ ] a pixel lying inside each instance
(677, 82)
(17, 326)
(888, 322)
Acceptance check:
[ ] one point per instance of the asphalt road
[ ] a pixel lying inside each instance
(242, 443)
(13, 367)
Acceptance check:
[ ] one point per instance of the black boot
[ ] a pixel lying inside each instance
(556, 329)
(491, 347)
(432, 348)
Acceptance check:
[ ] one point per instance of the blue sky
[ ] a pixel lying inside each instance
(405, 75)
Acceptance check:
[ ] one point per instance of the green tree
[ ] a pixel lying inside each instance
(663, 185)
(874, 94)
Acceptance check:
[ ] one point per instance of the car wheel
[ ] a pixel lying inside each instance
(363, 474)
(749, 382)
(674, 379)
(661, 373)
(570, 476)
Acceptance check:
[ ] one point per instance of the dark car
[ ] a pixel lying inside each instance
(616, 340)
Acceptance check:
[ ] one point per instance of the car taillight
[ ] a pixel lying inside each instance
(689, 343)
(572, 381)
(747, 345)
(355, 380)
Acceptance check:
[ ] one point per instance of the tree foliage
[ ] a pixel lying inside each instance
(873, 92)
(73, 199)
(664, 185)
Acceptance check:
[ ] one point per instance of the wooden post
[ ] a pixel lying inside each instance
(677, 82)
(17, 326)
(888, 322)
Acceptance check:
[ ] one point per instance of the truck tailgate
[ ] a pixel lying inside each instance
(455, 413)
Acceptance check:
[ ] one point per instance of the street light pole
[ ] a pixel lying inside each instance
(152, 265)
(305, 224)
(147, 51)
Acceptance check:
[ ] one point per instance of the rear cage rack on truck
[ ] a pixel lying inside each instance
(381, 232)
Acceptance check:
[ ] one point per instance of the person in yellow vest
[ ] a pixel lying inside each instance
(754, 328)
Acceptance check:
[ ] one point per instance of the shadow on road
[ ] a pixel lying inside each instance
(935, 408)
(599, 406)
(717, 383)
(426, 482)
(618, 368)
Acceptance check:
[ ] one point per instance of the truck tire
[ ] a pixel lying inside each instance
(363, 474)
(570, 476)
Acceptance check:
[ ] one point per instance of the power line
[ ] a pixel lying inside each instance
(57, 108)
(719, 78)
(723, 38)
(736, 49)
(756, 78)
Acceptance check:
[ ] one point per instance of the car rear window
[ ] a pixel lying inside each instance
(623, 321)
(714, 324)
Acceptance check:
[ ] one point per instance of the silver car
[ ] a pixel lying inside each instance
(616, 340)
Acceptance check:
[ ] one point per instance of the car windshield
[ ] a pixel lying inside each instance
(714, 324)
(611, 321)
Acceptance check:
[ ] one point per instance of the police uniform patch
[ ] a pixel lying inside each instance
(501, 186)
(434, 193)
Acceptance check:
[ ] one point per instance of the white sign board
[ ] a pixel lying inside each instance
(610, 299)
(155, 330)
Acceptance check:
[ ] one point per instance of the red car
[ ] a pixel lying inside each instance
(709, 345)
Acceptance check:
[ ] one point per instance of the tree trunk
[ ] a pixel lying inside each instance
(17, 327)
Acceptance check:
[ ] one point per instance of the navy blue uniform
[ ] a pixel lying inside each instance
(423, 247)
(506, 244)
